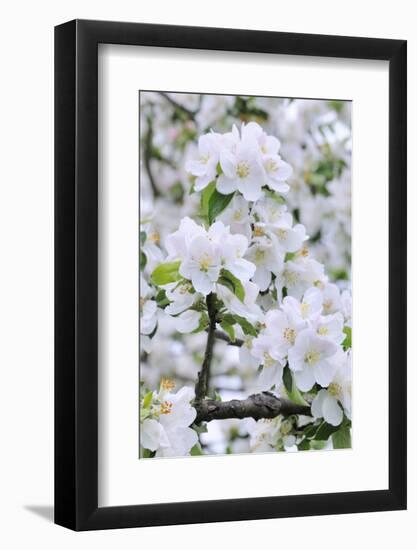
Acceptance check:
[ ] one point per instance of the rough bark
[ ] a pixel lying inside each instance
(257, 406)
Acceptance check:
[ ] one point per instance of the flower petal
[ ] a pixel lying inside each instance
(332, 413)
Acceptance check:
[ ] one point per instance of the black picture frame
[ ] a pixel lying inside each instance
(76, 272)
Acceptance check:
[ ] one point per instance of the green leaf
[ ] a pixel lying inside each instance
(304, 445)
(317, 445)
(205, 197)
(176, 191)
(147, 400)
(347, 342)
(142, 260)
(146, 453)
(310, 431)
(287, 379)
(161, 299)
(196, 450)
(142, 237)
(292, 390)
(324, 431)
(341, 439)
(228, 317)
(247, 328)
(229, 330)
(166, 273)
(339, 274)
(217, 203)
(290, 256)
(202, 325)
(231, 282)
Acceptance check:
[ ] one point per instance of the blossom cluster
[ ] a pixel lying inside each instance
(245, 239)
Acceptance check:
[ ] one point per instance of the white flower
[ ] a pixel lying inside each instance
(231, 249)
(205, 167)
(308, 360)
(277, 173)
(181, 295)
(242, 171)
(327, 403)
(269, 211)
(263, 434)
(246, 359)
(148, 308)
(265, 350)
(267, 258)
(237, 216)
(298, 275)
(188, 321)
(153, 435)
(276, 170)
(307, 310)
(331, 327)
(177, 243)
(202, 264)
(168, 432)
(331, 298)
(150, 248)
(248, 308)
(346, 300)
(289, 239)
(282, 329)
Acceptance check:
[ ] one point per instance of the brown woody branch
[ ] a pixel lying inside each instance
(190, 114)
(223, 336)
(257, 406)
(202, 384)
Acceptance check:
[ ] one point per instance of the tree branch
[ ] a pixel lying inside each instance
(220, 335)
(176, 105)
(257, 406)
(147, 155)
(202, 384)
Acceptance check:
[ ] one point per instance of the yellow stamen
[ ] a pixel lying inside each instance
(289, 335)
(154, 237)
(334, 389)
(312, 357)
(243, 169)
(166, 408)
(282, 234)
(167, 384)
(258, 231)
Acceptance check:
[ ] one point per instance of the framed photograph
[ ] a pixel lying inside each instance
(230, 244)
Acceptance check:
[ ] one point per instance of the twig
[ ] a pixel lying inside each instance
(147, 153)
(257, 406)
(223, 336)
(201, 387)
(176, 105)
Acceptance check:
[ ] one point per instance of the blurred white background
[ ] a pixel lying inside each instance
(26, 301)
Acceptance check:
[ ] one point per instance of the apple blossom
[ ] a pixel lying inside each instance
(204, 168)
(148, 308)
(330, 403)
(309, 360)
(167, 429)
(268, 260)
(306, 310)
